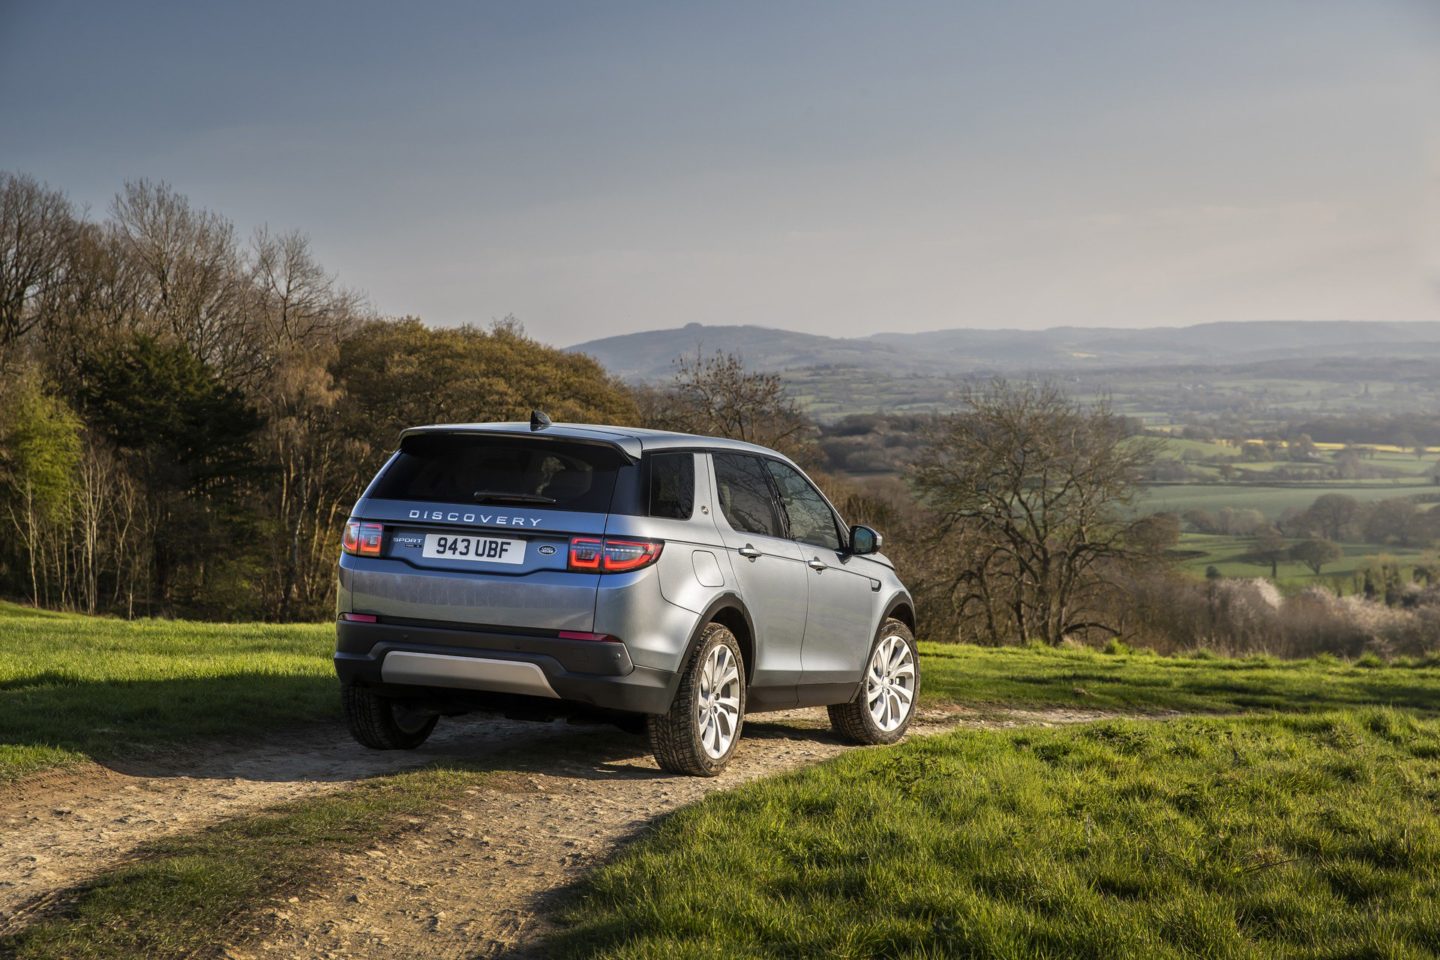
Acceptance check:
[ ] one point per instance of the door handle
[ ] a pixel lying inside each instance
(748, 551)
(815, 563)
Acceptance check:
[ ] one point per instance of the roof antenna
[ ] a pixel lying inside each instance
(538, 420)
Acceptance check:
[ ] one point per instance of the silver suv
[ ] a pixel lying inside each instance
(648, 578)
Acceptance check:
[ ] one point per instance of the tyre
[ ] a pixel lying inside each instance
(882, 708)
(699, 733)
(381, 723)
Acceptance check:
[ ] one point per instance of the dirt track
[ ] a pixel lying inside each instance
(475, 880)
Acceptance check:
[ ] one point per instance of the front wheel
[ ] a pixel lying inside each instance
(381, 723)
(699, 733)
(885, 702)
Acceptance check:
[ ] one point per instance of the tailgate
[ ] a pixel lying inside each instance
(528, 587)
(478, 528)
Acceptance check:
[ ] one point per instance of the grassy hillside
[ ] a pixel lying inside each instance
(1141, 682)
(73, 687)
(1304, 830)
(1268, 838)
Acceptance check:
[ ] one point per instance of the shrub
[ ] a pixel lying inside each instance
(1239, 617)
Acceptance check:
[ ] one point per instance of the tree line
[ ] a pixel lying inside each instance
(186, 417)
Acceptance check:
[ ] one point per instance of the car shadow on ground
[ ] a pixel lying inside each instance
(187, 728)
(612, 754)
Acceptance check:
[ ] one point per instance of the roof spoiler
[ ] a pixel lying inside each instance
(628, 447)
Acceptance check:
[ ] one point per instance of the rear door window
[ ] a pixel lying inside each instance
(746, 497)
(474, 469)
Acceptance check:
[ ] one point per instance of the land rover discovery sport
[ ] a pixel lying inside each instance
(663, 579)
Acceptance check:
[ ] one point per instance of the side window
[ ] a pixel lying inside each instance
(672, 485)
(745, 495)
(811, 519)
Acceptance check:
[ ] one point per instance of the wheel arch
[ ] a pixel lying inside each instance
(730, 611)
(901, 607)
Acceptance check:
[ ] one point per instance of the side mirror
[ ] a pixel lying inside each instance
(865, 539)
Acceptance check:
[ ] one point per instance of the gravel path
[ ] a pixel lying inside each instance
(59, 828)
(474, 880)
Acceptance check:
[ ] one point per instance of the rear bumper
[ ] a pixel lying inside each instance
(592, 673)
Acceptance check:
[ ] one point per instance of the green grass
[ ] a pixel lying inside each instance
(1143, 682)
(1296, 837)
(73, 687)
(1234, 835)
(187, 895)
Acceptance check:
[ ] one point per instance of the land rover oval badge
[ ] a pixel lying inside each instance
(547, 550)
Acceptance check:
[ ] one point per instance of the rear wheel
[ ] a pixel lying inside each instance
(382, 723)
(882, 708)
(699, 733)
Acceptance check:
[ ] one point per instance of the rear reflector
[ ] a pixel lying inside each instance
(360, 617)
(613, 554)
(581, 635)
(363, 539)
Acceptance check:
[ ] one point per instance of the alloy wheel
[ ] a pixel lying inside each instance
(890, 683)
(718, 705)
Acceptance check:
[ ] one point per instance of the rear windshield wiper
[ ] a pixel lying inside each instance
(502, 496)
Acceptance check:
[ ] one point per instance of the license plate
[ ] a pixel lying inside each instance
(445, 546)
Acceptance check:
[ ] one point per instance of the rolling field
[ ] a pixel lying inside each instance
(1408, 467)
(1272, 501)
(1224, 553)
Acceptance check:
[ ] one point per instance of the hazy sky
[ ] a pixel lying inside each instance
(835, 167)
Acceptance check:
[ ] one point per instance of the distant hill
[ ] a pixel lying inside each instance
(651, 355)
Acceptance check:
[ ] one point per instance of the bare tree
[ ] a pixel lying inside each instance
(717, 396)
(36, 227)
(300, 316)
(1028, 491)
(192, 282)
(103, 520)
(297, 302)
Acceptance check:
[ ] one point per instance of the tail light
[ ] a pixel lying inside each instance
(613, 554)
(363, 539)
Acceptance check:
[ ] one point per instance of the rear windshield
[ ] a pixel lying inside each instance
(455, 468)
